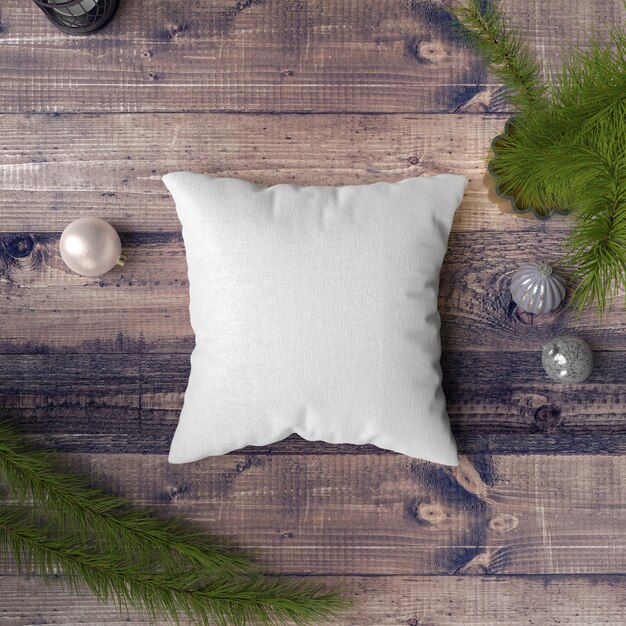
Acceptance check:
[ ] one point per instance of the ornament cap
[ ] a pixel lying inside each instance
(551, 349)
(122, 260)
(544, 268)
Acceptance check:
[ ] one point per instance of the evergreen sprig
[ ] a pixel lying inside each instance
(59, 524)
(596, 246)
(504, 50)
(258, 600)
(566, 149)
(91, 513)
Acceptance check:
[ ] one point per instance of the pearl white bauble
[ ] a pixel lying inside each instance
(90, 246)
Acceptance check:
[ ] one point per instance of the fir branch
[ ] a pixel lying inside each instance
(154, 565)
(504, 50)
(89, 512)
(550, 156)
(572, 154)
(238, 601)
(566, 149)
(596, 246)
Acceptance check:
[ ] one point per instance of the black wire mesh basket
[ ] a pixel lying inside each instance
(79, 17)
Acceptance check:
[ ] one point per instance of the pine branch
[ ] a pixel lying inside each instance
(156, 566)
(239, 601)
(572, 154)
(504, 50)
(550, 156)
(91, 513)
(596, 246)
(567, 145)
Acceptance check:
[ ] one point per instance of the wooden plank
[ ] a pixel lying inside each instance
(498, 402)
(54, 169)
(378, 601)
(144, 305)
(390, 514)
(255, 55)
(476, 307)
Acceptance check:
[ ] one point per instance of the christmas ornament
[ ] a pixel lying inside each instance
(79, 17)
(567, 359)
(91, 247)
(536, 288)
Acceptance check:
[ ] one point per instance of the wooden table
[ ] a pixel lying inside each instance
(529, 528)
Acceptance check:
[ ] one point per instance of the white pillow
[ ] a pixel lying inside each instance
(315, 312)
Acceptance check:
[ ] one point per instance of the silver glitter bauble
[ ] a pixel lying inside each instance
(536, 288)
(91, 247)
(567, 359)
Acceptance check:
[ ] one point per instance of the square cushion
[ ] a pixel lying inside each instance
(315, 312)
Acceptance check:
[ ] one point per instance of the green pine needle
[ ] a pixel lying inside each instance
(42, 546)
(504, 50)
(596, 246)
(567, 146)
(89, 512)
(64, 526)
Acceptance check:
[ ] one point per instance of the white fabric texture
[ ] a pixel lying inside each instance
(315, 312)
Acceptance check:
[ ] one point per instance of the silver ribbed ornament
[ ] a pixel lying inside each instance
(536, 288)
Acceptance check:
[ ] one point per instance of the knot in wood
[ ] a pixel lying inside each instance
(430, 51)
(19, 246)
(413, 160)
(242, 5)
(173, 492)
(430, 513)
(522, 317)
(548, 416)
(503, 523)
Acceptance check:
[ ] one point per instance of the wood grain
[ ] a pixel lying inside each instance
(379, 601)
(269, 55)
(390, 514)
(54, 168)
(310, 92)
(498, 402)
(109, 356)
(144, 305)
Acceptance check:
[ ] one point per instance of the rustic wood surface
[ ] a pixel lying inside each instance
(272, 55)
(384, 601)
(529, 528)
